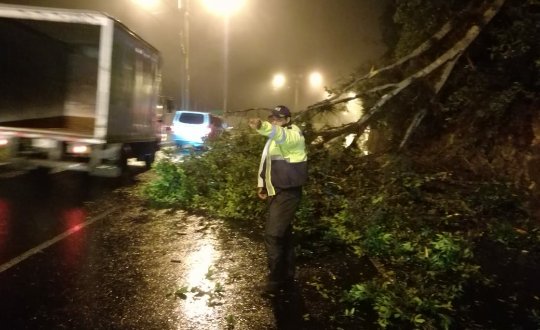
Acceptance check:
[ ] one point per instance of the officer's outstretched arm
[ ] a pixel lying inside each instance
(280, 134)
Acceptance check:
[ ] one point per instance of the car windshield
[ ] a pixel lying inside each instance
(191, 118)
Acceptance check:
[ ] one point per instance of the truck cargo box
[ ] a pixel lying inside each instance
(71, 76)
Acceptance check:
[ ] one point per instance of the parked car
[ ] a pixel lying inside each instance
(191, 129)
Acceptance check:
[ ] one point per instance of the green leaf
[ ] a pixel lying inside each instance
(419, 319)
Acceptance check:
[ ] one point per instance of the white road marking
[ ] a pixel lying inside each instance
(50, 242)
(11, 174)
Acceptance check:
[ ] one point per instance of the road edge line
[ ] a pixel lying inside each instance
(7, 265)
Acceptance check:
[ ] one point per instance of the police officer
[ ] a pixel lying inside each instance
(282, 172)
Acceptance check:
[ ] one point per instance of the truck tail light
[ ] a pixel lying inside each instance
(78, 149)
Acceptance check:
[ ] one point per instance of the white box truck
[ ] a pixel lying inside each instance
(78, 91)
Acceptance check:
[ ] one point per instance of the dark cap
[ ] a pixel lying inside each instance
(281, 111)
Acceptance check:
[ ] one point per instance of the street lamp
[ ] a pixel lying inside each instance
(183, 5)
(147, 3)
(225, 8)
(315, 80)
(279, 81)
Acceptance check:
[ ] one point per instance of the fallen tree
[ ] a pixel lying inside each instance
(432, 62)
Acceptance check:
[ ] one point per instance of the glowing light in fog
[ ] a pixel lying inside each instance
(3, 142)
(224, 7)
(147, 3)
(279, 81)
(315, 79)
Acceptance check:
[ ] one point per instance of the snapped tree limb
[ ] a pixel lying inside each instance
(446, 61)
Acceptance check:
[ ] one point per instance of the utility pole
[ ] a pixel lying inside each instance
(185, 52)
(297, 79)
(225, 63)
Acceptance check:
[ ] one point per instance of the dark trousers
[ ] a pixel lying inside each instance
(278, 234)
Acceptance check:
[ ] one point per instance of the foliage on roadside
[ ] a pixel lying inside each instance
(447, 235)
(426, 231)
(446, 223)
(221, 181)
(173, 188)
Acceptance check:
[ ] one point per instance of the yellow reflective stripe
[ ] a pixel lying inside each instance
(268, 178)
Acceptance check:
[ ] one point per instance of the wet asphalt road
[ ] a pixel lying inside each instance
(125, 266)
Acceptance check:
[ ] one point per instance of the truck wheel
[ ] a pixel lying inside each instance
(149, 160)
(126, 176)
(123, 162)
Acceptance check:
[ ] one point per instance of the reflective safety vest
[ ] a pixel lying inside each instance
(284, 159)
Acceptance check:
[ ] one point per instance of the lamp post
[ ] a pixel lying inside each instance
(155, 7)
(225, 8)
(314, 81)
(183, 5)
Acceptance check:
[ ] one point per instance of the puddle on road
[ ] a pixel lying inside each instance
(216, 275)
(199, 280)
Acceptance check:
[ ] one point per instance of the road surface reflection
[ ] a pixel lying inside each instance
(200, 280)
(4, 223)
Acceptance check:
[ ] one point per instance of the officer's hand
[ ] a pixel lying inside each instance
(255, 123)
(261, 192)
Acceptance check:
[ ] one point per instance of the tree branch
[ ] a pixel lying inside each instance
(448, 58)
(248, 110)
(414, 124)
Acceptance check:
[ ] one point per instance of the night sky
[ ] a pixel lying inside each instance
(265, 37)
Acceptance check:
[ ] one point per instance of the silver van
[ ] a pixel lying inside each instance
(190, 129)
